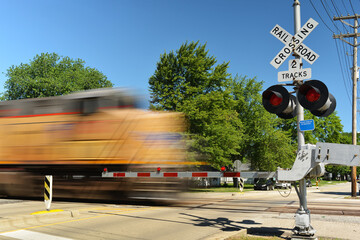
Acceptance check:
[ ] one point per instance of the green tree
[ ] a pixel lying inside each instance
(327, 129)
(264, 145)
(183, 75)
(215, 126)
(346, 138)
(189, 81)
(337, 169)
(226, 118)
(48, 74)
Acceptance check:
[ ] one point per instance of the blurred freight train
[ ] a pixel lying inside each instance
(74, 137)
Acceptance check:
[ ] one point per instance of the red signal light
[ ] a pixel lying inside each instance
(158, 169)
(312, 95)
(105, 169)
(275, 100)
(222, 168)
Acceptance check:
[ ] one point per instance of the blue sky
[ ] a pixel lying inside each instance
(124, 38)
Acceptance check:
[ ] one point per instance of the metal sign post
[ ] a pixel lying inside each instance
(302, 215)
(294, 45)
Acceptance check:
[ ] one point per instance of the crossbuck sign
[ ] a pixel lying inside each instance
(294, 43)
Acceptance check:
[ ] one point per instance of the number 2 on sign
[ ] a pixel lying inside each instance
(294, 64)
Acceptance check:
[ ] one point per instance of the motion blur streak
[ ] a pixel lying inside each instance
(74, 137)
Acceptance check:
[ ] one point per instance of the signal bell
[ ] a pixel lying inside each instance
(276, 99)
(314, 96)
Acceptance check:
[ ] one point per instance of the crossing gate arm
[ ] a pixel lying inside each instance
(311, 160)
(257, 174)
(340, 154)
(107, 174)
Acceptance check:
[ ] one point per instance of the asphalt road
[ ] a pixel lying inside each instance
(195, 216)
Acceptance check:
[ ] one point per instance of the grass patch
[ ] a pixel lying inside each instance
(254, 238)
(325, 182)
(224, 188)
(350, 197)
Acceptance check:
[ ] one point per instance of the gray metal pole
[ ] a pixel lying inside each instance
(299, 111)
(302, 216)
(299, 108)
(354, 130)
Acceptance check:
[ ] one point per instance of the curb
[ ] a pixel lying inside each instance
(36, 218)
(241, 233)
(227, 235)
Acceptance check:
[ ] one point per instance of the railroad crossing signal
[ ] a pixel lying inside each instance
(276, 99)
(294, 44)
(312, 95)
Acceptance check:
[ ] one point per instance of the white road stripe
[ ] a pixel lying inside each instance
(29, 235)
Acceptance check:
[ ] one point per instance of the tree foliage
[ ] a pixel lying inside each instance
(225, 114)
(214, 125)
(327, 129)
(48, 74)
(185, 74)
(264, 145)
(189, 81)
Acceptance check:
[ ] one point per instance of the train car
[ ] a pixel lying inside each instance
(74, 137)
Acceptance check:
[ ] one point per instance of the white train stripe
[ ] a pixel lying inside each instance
(29, 235)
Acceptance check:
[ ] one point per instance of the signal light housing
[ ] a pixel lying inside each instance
(276, 99)
(314, 96)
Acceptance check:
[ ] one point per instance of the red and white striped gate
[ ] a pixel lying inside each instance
(160, 174)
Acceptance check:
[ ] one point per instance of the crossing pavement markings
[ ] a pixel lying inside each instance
(18, 234)
(117, 211)
(45, 212)
(30, 235)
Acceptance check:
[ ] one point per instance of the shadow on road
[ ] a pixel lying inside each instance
(223, 224)
(227, 225)
(266, 231)
(337, 193)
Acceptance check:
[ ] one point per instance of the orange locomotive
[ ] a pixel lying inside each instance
(74, 137)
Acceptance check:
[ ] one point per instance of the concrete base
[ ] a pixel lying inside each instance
(297, 237)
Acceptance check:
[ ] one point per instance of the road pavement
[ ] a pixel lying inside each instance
(196, 216)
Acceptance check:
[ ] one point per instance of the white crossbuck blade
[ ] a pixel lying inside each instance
(294, 44)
